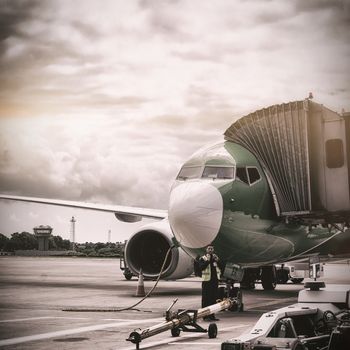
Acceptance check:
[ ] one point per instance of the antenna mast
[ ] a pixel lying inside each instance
(72, 231)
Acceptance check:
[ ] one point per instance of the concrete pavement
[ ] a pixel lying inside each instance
(36, 290)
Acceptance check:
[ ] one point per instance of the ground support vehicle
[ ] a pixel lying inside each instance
(123, 266)
(320, 320)
(295, 272)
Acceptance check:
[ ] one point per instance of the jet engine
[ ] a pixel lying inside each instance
(147, 248)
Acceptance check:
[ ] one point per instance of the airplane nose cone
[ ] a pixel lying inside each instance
(195, 213)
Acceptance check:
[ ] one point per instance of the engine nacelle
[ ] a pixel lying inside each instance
(146, 250)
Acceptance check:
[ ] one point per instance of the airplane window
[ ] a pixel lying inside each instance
(241, 174)
(253, 174)
(216, 172)
(189, 172)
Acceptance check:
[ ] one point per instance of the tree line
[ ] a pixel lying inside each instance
(28, 241)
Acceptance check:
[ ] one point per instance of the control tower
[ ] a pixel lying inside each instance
(43, 234)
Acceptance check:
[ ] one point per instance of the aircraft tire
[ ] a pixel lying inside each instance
(268, 278)
(248, 281)
(297, 280)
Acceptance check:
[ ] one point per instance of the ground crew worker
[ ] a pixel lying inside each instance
(209, 264)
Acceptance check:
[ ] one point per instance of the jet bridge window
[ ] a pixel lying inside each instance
(217, 172)
(190, 172)
(334, 153)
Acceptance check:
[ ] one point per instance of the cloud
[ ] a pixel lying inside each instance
(33, 215)
(13, 217)
(105, 103)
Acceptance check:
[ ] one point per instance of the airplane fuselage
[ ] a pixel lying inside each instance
(222, 197)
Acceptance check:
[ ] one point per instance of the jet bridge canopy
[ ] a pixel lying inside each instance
(304, 149)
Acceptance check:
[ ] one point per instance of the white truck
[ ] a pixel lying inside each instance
(295, 271)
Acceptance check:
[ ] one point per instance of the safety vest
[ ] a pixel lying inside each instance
(206, 273)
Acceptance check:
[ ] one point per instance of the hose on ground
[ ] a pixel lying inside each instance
(134, 305)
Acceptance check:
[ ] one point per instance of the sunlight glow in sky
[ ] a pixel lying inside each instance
(103, 101)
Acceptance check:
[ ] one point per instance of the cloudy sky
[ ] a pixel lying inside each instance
(102, 101)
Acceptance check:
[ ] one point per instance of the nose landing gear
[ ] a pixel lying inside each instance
(230, 291)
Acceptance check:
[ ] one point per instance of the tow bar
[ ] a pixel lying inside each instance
(185, 320)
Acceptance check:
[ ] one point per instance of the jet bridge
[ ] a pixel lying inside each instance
(304, 149)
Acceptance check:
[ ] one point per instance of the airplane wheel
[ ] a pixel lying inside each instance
(249, 278)
(297, 280)
(175, 332)
(268, 278)
(212, 330)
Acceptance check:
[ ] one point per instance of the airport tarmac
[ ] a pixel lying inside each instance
(36, 291)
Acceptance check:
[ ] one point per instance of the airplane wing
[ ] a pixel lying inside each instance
(122, 213)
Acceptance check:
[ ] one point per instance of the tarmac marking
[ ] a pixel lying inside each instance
(26, 319)
(34, 337)
(41, 318)
(171, 340)
(272, 302)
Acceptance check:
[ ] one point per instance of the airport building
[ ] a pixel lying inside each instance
(43, 234)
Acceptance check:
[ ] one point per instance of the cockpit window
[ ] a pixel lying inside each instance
(217, 172)
(241, 174)
(190, 172)
(253, 174)
(249, 175)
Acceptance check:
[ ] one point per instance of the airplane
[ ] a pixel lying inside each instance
(276, 189)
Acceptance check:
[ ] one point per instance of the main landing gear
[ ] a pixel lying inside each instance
(268, 277)
(266, 274)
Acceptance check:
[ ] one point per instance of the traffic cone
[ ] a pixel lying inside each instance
(140, 291)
